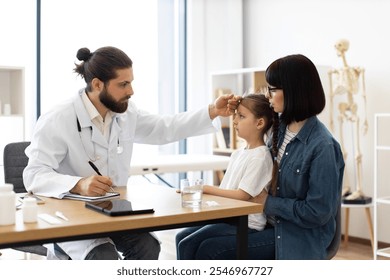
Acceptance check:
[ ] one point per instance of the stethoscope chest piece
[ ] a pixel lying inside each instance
(119, 150)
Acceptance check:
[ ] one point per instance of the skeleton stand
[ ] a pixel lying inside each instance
(345, 81)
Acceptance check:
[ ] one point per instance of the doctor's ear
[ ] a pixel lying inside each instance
(97, 84)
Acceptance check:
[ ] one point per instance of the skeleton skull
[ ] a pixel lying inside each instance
(341, 46)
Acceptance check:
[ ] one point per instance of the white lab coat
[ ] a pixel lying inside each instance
(58, 159)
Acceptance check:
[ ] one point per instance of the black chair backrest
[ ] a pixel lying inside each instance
(15, 160)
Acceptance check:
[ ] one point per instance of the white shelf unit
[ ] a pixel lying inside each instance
(380, 160)
(11, 92)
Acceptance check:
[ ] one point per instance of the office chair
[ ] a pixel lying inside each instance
(335, 244)
(15, 160)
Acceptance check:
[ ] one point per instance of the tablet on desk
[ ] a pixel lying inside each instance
(116, 207)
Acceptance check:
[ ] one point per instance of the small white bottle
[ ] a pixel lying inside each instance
(7, 205)
(30, 210)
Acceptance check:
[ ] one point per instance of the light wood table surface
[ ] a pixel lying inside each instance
(84, 223)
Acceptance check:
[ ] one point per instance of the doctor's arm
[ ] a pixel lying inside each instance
(162, 129)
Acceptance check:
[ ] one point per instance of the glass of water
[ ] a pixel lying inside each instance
(191, 193)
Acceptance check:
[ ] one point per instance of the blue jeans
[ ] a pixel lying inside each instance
(218, 242)
(133, 246)
(137, 246)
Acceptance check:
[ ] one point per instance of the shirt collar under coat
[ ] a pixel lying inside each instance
(85, 122)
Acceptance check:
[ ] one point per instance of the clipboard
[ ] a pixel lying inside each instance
(116, 207)
(107, 196)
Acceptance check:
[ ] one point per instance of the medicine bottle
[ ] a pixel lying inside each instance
(7, 205)
(30, 210)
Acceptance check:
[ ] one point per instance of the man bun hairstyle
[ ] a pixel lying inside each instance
(83, 54)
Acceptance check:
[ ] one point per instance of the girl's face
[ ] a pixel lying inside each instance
(247, 125)
(276, 98)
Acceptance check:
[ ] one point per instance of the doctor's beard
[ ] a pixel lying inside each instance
(116, 106)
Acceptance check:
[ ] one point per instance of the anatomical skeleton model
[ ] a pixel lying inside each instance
(345, 81)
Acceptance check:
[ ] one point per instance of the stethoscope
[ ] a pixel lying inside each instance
(119, 148)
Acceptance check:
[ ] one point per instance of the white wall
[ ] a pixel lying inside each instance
(18, 47)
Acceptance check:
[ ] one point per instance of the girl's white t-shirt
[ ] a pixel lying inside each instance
(249, 170)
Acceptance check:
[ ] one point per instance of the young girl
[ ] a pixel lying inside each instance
(248, 172)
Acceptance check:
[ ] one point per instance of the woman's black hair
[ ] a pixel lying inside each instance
(303, 93)
(303, 97)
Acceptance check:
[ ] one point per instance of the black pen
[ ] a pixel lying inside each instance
(95, 168)
(97, 171)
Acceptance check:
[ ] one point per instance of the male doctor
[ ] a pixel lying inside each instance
(100, 125)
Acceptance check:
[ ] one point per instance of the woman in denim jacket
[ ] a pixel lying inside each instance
(305, 193)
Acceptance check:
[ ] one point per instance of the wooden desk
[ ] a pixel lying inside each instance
(84, 223)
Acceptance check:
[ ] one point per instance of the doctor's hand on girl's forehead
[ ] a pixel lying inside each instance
(233, 103)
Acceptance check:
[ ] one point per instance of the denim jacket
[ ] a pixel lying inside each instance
(308, 193)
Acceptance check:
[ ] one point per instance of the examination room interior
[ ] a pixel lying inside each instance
(177, 45)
